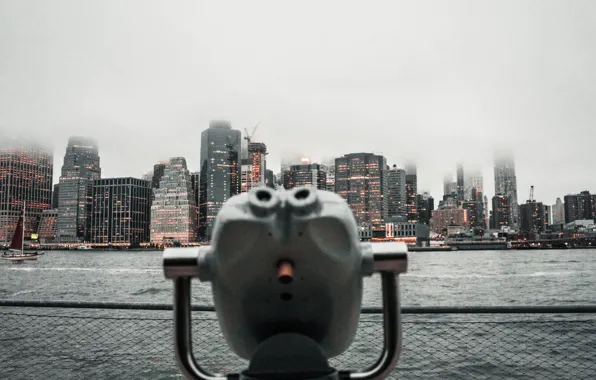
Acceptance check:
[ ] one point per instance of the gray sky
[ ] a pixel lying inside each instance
(431, 81)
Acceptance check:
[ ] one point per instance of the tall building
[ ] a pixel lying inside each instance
(361, 179)
(506, 183)
(25, 176)
(121, 211)
(426, 205)
(558, 212)
(158, 170)
(269, 179)
(220, 172)
(460, 182)
(449, 186)
(80, 169)
(411, 191)
(532, 217)
(305, 175)
(255, 167)
(47, 226)
(396, 194)
(195, 180)
(579, 206)
(448, 217)
(329, 169)
(473, 181)
(474, 213)
(55, 195)
(173, 212)
(501, 214)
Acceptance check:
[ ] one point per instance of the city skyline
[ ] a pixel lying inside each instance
(436, 189)
(184, 204)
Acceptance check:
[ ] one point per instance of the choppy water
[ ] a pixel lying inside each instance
(434, 278)
(67, 345)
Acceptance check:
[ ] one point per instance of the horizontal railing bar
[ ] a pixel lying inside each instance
(557, 309)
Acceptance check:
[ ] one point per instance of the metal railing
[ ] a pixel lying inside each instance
(73, 340)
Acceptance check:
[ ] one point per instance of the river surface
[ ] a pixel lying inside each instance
(549, 277)
(111, 344)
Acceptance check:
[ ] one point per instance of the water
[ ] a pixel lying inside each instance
(74, 344)
(550, 277)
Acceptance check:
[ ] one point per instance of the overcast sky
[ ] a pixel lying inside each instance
(430, 81)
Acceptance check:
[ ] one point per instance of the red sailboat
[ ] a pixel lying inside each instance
(16, 250)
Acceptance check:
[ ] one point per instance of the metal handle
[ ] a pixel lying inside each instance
(392, 336)
(183, 334)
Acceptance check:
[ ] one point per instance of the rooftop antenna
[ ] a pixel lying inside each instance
(532, 193)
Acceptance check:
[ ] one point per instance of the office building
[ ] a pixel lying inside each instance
(532, 217)
(501, 212)
(46, 232)
(411, 191)
(473, 181)
(173, 212)
(55, 195)
(220, 172)
(396, 194)
(460, 182)
(558, 212)
(254, 168)
(579, 206)
(269, 179)
(506, 183)
(361, 179)
(448, 217)
(305, 175)
(81, 167)
(121, 211)
(426, 205)
(25, 177)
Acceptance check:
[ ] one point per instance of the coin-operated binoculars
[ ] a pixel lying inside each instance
(286, 269)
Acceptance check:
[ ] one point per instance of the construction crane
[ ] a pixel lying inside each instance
(248, 136)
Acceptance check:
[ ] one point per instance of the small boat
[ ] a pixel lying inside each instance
(16, 252)
(84, 248)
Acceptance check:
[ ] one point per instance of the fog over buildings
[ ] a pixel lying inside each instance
(432, 82)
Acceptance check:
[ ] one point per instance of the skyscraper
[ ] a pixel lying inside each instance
(220, 172)
(269, 179)
(473, 181)
(506, 183)
(254, 167)
(460, 183)
(158, 170)
(558, 211)
(46, 230)
(532, 217)
(426, 205)
(55, 195)
(25, 176)
(396, 194)
(305, 175)
(501, 215)
(173, 212)
(121, 211)
(80, 169)
(449, 186)
(361, 179)
(411, 191)
(579, 206)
